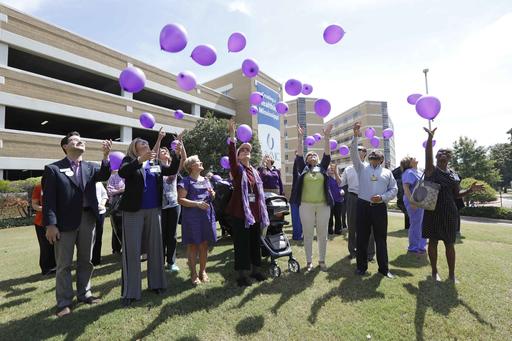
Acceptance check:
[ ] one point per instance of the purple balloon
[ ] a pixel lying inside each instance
(132, 79)
(317, 136)
(147, 120)
(375, 142)
(425, 143)
(293, 87)
(204, 55)
(307, 89)
(253, 110)
(174, 143)
(186, 80)
(173, 38)
(216, 177)
(344, 151)
(282, 108)
(178, 114)
(369, 132)
(250, 68)
(256, 98)
(322, 107)
(115, 159)
(244, 133)
(333, 34)
(412, 99)
(387, 133)
(310, 140)
(236, 42)
(224, 162)
(428, 107)
(333, 144)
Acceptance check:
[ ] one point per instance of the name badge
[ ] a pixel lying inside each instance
(65, 170)
(373, 178)
(252, 197)
(155, 169)
(316, 169)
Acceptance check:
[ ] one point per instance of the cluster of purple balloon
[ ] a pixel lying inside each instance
(374, 140)
(294, 87)
(426, 106)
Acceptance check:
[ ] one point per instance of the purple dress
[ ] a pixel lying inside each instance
(197, 225)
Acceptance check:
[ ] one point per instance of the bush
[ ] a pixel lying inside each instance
(487, 212)
(16, 222)
(487, 195)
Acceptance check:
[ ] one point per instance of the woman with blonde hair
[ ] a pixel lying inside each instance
(141, 206)
(198, 226)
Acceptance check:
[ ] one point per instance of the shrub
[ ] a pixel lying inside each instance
(487, 195)
(487, 212)
(15, 222)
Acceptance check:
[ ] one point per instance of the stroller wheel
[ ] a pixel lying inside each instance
(275, 270)
(293, 265)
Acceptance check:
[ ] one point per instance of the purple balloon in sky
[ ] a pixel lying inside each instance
(256, 98)
(333, 34)
(412, 99)
(250, 68)
(322, 107)
(132, 79)
(253, 110)
(186, 80)
(375, 142)
(293, 87)
(204, 55)
(344, 151)
(282, 108)
(387, 133)
(224, 162)
(333, 144)
(244, 133)
(428, 107)
(309, 140)
(173, 38)
(236, 42)
(178, 114)
(369, 132)
(147, 120)
(307, 89)
(115, 159)
(425, 143)
(317, 136)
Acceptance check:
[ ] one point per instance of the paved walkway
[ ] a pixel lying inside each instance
(469, 219)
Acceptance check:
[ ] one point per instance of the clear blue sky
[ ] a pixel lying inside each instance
(465, 44)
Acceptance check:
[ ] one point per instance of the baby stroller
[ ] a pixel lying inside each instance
(274, 242)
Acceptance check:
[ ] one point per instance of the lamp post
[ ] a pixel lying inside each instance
(425, 71)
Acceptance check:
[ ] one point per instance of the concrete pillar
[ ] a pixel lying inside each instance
(196, 110)
(2, 116)
(126, 134)
(4, 53)
(2, 174)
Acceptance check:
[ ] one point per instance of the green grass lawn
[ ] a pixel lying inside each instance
(335, 305)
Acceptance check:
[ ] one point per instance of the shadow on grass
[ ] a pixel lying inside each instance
(14, 303)
(250, 325)
(442, 297)
(410, 260)
(402, 233)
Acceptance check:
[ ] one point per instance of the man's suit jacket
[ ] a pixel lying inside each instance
(133, 173)
(63, 197)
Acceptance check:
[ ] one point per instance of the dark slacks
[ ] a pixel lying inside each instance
(169, 225)
(117, 231)
(96, 251)
(372, 218)
(246, 242)
(46, 252)
(335, 218)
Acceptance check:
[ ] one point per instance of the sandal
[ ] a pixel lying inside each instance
(204, 277)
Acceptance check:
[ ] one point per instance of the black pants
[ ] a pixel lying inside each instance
(246, 242)
(169, 225)
(96, 250)
(402, 208)
(46, 253)
(372, 217)
(336, 218)
(117, 231)
(344, 214)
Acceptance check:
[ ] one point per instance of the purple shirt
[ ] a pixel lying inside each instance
(271, 178)
(335, 190)
(409, 178)
(150, 196)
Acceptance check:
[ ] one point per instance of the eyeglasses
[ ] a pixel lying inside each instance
(374, 158)
(362, 150)
(245, 150)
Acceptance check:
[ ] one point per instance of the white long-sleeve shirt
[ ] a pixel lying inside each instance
(101, 194)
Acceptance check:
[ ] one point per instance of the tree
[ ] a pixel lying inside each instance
(501, 154)
(208, 141)
(472, 161)
(510, 133)
(487, 195)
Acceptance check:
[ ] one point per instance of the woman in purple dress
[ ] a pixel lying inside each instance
(270, 175)
(195, 195)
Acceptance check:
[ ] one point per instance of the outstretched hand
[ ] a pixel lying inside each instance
(231, 127)
(327, 130)
(161, 134)
(430, 132)
(475, 187)
(357, 129)
(300, 131)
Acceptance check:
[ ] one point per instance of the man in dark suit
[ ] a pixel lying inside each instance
(70, 209)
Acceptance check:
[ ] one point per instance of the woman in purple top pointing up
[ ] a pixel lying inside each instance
(270, 175)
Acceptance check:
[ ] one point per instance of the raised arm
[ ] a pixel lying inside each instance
(337, 176)
(327, 139)
(354, 154)
(300, 140)
(429, 158)
(233, 161)
(161, 135)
